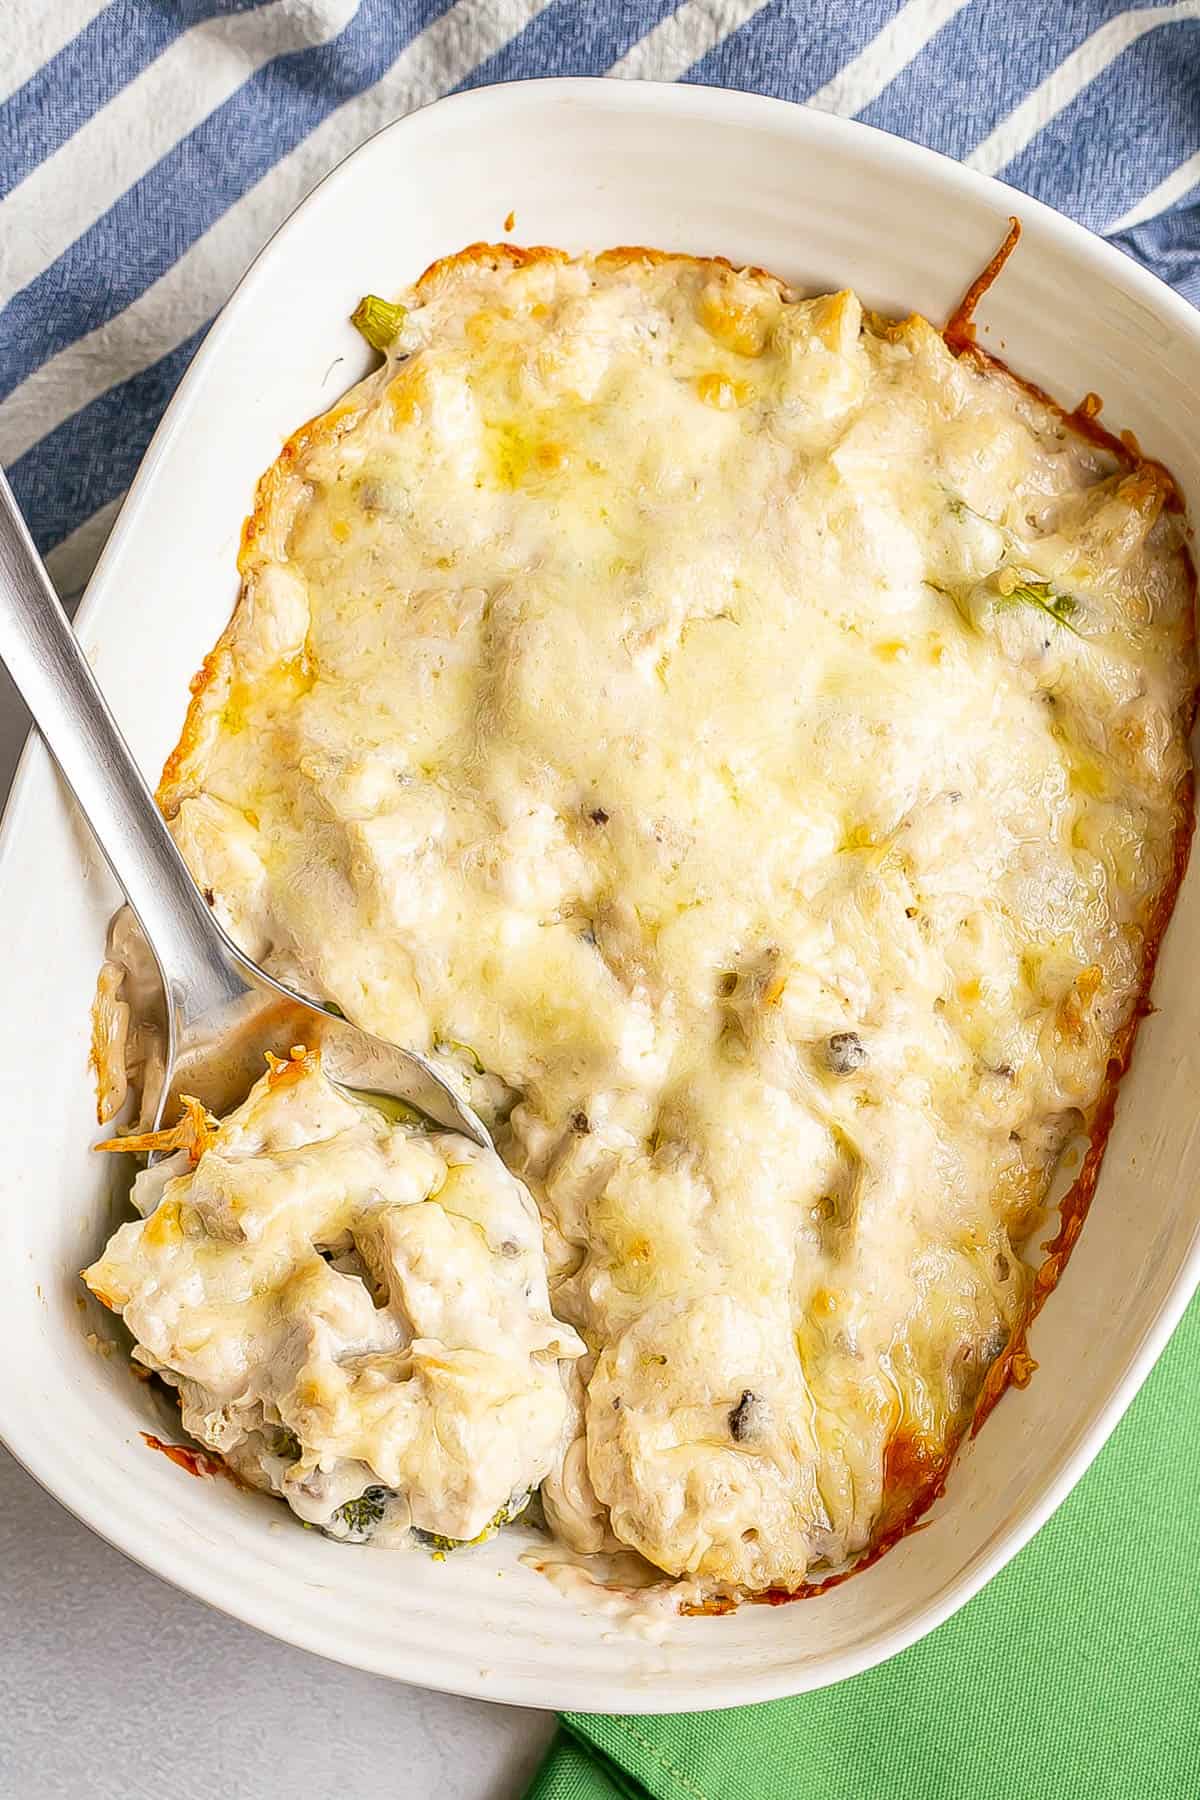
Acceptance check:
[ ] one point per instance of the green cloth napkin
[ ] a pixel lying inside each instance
(1074, 1675)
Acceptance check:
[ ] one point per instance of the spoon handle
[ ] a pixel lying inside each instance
(47, 664)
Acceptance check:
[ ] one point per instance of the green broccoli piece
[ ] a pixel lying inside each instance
(441, 1546)
(379, 321)
(362, 1515)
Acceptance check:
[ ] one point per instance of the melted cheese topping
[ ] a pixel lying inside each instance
(346, 1305)
(759, 736)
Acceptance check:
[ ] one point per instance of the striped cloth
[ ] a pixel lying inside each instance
(149, 147)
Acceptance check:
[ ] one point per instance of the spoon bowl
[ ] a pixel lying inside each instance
(218, 1036)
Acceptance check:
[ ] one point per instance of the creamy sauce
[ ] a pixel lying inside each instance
(751, 740)
(638, 1601)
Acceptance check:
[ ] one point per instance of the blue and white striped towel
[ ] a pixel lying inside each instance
(148, 148)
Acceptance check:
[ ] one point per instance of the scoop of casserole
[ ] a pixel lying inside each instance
(353, 1311)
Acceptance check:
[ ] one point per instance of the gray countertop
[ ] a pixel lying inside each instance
(115, 1686)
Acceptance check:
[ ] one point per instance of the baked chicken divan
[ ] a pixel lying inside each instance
(745, 740)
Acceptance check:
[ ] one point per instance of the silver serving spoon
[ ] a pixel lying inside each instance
(222, 1012)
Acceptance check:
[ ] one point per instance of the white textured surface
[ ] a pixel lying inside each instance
(189, 1704)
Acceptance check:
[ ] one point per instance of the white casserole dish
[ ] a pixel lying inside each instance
(582, 164)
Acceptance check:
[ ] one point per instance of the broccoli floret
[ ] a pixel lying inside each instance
(361, 1516)
(441, 1546)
